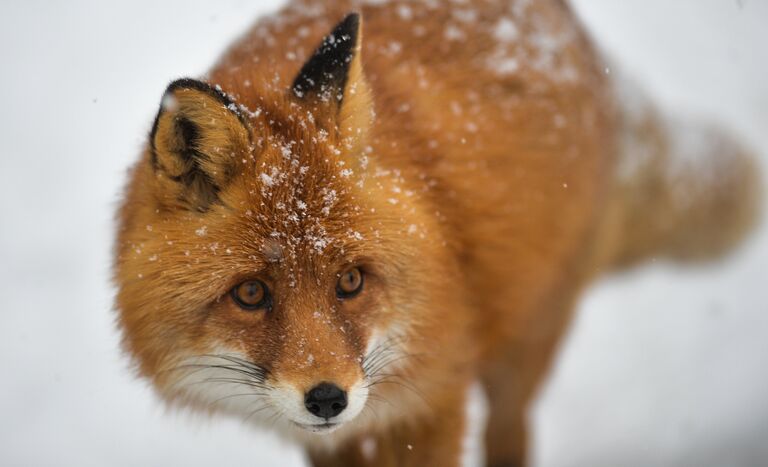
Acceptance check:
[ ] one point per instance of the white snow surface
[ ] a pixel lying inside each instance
(665, 366)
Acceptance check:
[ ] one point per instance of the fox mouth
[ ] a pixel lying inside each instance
(321, 428)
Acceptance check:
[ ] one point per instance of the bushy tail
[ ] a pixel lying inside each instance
(685, 191)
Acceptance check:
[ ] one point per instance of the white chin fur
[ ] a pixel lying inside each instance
(290, 402)
(323, 429)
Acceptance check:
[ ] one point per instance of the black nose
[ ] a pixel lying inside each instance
(325, 400)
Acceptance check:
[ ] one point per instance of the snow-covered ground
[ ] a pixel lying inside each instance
(665, 365)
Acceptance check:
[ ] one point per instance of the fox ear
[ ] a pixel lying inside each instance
(198, 136)
(332, 79)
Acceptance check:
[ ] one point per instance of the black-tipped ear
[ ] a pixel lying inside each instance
(326, 73)
(196, 139)
(332, 82)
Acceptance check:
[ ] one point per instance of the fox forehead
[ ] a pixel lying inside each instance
(299, 190)
(303, 208)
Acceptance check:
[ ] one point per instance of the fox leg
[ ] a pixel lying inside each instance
(345, 457)
(513, 376)
(506, 436)
(511, 384)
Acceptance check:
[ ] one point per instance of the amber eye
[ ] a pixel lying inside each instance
(350, 283)
(252, 295)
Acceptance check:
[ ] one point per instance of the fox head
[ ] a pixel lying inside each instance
(271, 263)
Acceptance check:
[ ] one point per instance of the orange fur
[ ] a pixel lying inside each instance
(470, 170)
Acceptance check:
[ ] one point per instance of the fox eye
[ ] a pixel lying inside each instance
(350, 283)
(252, 295)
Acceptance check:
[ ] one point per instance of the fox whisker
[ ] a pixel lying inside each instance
(230, 396)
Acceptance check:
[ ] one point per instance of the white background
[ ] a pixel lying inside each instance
(665, 366)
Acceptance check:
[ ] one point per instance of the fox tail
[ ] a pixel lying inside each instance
(686, 191)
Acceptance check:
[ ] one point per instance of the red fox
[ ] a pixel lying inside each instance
(366, 207)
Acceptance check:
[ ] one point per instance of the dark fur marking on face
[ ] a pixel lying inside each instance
(325, 73)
